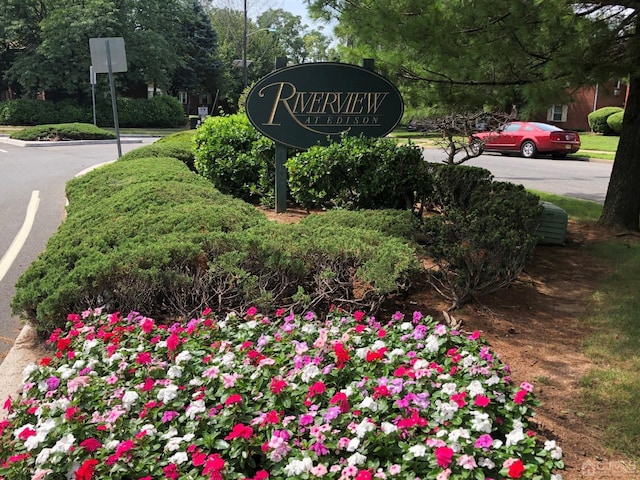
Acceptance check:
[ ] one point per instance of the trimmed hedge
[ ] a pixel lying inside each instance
(159, 111)
(598, 119)
(63, 131)
(236, 157)
(150, 235)
(614, 122)
(359, 173)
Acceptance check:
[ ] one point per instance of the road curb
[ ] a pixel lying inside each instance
(27, 349)
(23, 143)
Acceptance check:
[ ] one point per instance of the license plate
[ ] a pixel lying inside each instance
(568, 147)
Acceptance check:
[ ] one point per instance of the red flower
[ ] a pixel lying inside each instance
(317, 388)
(444, 455)
(173, 341)
(25, 433)
(240, 431)
(459, 398)
(342, 401)
(342, 354)
(519, 396)
(214, 464)
(233, 399)
(45, 361)
(85, 472)
(516, 469)
(358, 315)
(171, 471)
(364, 475)
(481, 401)
(143, 358)
(277, 385)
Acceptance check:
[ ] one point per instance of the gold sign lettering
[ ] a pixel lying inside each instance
(323, 108)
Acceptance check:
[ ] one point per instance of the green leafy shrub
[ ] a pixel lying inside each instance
(148, 234)
(598, 119)
(235, 157)
(185, 136)
(63, 131)
(614, 122)
(162, 111)
(37, 112)
(482, 246)
(358, 173)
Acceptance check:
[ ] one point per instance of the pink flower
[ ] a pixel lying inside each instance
(171, 471)
(251, 311)
(233, 399)
(520, 396)
(484, 441)
(467, 462)
(444, 455)
(481, 401)
(277, 385)
(173, 341)
(169, 415)
(319, 470)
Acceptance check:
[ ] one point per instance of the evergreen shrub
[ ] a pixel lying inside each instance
(180, 150)
(148, 234)
(37, 112)
(481, 245)
(63, 131)
(598, 119)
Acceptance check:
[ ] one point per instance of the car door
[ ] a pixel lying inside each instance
(510, 136)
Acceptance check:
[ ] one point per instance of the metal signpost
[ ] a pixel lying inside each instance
(108, 56)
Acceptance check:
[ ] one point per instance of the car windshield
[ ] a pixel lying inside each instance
(546, 127)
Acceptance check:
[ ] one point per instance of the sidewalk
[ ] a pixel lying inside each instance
(26, 349)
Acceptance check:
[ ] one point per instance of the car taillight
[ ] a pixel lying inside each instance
(564, 136)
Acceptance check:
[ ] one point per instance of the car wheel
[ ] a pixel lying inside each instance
(528, 149)
(476, 146)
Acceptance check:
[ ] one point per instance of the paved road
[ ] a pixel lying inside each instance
(32, 182)
(583, 179)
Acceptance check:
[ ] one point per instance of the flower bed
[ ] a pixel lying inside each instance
(346, 397)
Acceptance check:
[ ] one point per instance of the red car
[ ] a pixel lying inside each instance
(528, 139)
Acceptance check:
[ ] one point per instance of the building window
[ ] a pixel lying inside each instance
(557, 113)
(183, 97)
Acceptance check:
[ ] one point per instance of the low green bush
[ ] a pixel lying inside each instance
(150, 235)
(358, 172)
(37, 112)
(598, 119)
(181, 150)
(162, 111)
(453, 185)
(63, 131)
(235, 157)
(614, 122)
(482, 246)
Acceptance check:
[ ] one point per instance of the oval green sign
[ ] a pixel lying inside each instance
(315, 103)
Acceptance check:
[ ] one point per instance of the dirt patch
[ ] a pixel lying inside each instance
(535, 327)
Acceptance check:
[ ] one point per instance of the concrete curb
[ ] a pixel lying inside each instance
(26, 349)
(22, 143)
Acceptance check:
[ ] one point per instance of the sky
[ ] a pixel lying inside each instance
(297, 7)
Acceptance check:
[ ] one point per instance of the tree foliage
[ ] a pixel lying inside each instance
(49, 40)
(498, 53)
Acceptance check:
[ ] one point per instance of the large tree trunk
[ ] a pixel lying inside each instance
(621, 209)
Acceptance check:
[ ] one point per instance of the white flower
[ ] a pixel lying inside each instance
(480, 422)
(475, 388)
(458, 433)
(515, 435)
(173, 444)
(431, 344)
(174, 371)
(297, 467)
(64, 444)
(388, 428)
(29, 369)
(179, 457)
(356, 459)
(486, 463)
(448, 388)
(404, 326)
(365, 426)
(43, 456)
(369, 403)
(227, 359)
(418, 450)
(353, 444)
(309, 372)
(184, 356)
(195, 408)
(129, 398)
(172, 432)
(492, 380)
(167, 393)
(554, 449)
